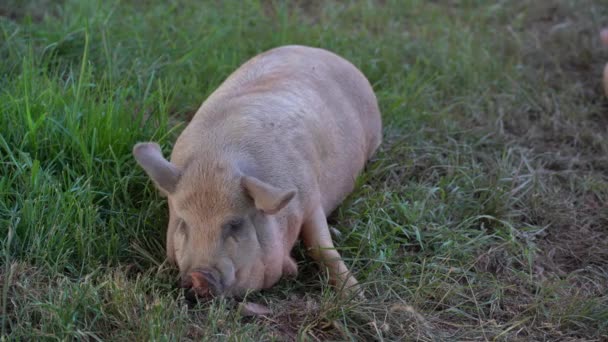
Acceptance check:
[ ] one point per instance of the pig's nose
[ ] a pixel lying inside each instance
(204, 282)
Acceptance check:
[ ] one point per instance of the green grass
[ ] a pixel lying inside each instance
(483, 217)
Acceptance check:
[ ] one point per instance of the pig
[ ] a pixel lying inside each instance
(263, 162)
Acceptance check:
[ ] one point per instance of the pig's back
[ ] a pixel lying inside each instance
(304, 116)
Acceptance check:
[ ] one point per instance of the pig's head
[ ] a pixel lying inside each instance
(223, 229)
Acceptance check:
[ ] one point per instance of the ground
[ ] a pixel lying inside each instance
(484, 216)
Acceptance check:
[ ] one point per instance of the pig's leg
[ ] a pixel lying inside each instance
(317, 238)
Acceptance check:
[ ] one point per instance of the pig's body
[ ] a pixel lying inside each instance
(296, 118)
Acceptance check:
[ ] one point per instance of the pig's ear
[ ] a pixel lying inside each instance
(266, 197)
(164, 174)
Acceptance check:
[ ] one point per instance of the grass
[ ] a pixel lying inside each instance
(483, 217)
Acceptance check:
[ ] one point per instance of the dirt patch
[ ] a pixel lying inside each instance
(565, 127)
(288, 316)
(579, 241)
(19, 281)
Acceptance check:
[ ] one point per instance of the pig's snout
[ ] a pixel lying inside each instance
(202, 282)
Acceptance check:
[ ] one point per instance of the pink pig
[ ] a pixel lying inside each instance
(265, 159)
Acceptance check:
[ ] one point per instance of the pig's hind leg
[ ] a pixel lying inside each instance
(317, 238)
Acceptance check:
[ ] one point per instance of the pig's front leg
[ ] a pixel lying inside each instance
(317, 238)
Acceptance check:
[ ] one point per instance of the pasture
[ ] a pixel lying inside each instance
(484, 216)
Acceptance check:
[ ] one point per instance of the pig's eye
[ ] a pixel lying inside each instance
(233, 226)
(182, 227)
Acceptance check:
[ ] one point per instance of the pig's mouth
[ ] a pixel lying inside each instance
(202, 283)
